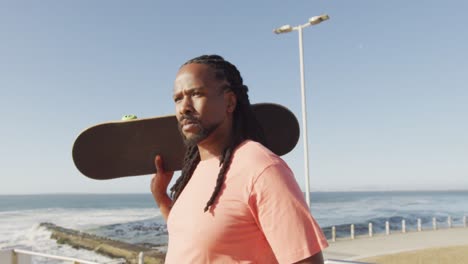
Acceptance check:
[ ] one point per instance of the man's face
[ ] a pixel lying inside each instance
(202, 103)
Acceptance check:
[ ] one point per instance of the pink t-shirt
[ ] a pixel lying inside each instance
(260, 215)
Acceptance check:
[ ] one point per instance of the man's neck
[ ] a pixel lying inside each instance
(214, 146)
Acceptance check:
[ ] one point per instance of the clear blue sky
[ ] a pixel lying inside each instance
(386, 83)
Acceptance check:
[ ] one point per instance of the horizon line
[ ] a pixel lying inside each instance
(312, 191)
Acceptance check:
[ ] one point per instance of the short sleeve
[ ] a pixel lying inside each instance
(282, 214)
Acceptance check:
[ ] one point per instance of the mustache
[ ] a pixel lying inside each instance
(190, 118)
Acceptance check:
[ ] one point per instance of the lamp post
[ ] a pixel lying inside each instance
(285, 29)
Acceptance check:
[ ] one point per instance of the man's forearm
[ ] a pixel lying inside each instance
(164, 204)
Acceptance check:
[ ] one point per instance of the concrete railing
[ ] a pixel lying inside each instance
(435, 226)
(21, 256)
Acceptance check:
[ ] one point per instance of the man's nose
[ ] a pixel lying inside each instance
(186, 105)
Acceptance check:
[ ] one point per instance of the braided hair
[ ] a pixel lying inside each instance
(245, 126)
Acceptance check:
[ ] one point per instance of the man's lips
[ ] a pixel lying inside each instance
(188, 122)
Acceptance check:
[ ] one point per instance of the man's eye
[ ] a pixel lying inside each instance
(177, 99)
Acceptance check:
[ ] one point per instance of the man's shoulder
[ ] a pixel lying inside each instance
(254, 148)
(252, 152)
(251, 161)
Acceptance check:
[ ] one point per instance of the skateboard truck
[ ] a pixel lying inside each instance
(129, 117)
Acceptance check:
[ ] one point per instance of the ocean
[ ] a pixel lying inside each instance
(134, 218)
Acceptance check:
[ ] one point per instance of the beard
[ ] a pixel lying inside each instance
(203, 131)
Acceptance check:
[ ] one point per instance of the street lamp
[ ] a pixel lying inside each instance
(285, 29)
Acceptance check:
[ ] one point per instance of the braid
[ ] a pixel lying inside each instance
(226, 162)
(191, 160)
(245, 126)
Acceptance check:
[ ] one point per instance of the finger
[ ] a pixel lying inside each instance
(152, 184)
(158, 163)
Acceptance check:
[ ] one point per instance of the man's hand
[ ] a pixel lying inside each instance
(159, 184)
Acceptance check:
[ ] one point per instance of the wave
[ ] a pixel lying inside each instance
(20, 229)
(38, 239)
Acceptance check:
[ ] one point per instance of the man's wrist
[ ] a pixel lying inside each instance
(162, 199)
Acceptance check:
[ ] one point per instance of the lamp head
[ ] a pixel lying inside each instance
(283, 29)
(318, 19)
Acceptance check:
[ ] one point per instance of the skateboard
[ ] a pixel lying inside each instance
(128, 147)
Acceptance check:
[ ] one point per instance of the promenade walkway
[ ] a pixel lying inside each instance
(381, 244)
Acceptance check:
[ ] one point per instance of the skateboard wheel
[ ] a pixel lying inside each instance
(129, 117)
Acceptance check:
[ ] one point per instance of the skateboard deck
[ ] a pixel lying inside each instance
(128, 148)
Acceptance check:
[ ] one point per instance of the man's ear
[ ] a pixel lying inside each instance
(231, 101)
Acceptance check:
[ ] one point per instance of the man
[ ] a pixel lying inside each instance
(235, 201)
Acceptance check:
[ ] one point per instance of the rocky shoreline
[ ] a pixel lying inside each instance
(104, 246)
